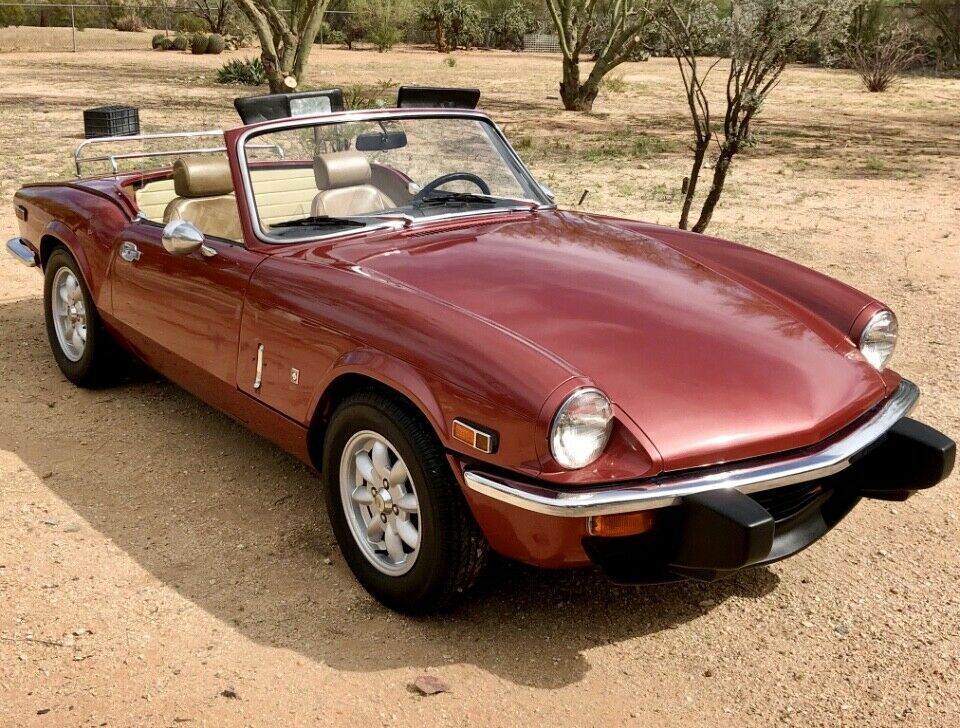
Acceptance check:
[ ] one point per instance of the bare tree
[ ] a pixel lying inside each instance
(286, 37)
(617, 29)
(880, 61)
(944, 17)
(762, 36)
(215, 13)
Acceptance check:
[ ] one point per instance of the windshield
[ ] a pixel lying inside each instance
(346, 176)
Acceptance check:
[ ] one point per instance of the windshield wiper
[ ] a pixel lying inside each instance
(445, 198)
(319, 221)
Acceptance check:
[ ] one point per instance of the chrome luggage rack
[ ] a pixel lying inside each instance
(203, 147)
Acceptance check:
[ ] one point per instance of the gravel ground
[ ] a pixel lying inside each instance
(160, 565)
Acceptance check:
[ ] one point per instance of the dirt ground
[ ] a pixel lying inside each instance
(159, 565)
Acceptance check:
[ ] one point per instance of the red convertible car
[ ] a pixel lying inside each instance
(391, 296)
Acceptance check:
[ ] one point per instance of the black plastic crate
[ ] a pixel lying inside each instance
(111, 121)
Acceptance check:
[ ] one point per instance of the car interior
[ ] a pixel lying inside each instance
(338, 184)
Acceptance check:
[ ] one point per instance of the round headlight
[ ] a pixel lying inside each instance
(581, 428)
(879, 339)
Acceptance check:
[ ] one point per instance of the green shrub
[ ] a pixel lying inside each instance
(450, 61)
(508, 29)
(157, 40)
(216, 44)
(12, 15)
(199, 43)
(181, 43)
(165, 44)
(187, 23)
(248, 71)
(384, 37)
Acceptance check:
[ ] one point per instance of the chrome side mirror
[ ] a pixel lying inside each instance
(181, 237)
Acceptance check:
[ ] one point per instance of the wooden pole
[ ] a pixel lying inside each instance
(73, 29)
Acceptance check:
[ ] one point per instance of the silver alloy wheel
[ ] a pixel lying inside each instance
(380, 501)
(69, 314)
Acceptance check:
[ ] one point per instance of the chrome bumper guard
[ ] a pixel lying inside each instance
(670, 490)
(22, 252)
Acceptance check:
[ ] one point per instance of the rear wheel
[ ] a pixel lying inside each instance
(83, 349)
(396, 509)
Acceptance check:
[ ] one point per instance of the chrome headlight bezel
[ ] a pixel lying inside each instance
(589, 409)
(878, 340)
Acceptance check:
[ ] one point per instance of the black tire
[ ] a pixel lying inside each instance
(102, 360)
(452, 550)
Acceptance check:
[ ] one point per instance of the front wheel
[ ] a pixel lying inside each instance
(397, 511)
(84, 351)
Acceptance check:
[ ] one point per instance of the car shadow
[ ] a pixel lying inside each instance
(238, 528)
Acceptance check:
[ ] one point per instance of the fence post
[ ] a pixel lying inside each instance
(73, 29)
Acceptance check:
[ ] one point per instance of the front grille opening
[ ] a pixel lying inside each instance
(786, 503)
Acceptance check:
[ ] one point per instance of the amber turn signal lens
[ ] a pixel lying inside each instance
(620, 524)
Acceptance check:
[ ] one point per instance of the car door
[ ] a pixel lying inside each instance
(182, 312)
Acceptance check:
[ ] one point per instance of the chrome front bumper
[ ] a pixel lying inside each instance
(22, 252)
(670, 490)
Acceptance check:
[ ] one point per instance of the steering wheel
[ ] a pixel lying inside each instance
(452, 177)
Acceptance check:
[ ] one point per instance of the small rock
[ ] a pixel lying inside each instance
(327, 561)
(43, 711)
(708, 672)
(644, 166)
(708, 603)
(47, 474)
(841, 629)
(429, 685)
(230, 693)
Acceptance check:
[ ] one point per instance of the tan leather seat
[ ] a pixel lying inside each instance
(205, 197)
(343, 179)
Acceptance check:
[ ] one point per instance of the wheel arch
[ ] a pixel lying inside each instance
(55, 235)
(369, 369)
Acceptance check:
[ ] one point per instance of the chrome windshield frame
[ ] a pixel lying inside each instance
(377, 115)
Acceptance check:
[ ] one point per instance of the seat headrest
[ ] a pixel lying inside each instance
(341, 169)
(202, 177)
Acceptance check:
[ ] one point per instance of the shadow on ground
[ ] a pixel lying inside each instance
(238, 528)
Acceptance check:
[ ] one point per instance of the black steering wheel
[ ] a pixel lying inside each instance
(452, 177)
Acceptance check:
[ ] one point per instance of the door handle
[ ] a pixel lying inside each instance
(129, 252)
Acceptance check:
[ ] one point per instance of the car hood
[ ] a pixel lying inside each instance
(710, 369)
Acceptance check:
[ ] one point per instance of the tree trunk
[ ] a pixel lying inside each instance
(441, 39)
(577, 96)
(719, 179)
(699, 153)
(275, 75)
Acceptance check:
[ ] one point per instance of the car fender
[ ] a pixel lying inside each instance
(390, 372)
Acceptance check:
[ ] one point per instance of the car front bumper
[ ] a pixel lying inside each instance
(712, 522)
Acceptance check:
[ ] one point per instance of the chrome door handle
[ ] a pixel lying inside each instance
(129, 252)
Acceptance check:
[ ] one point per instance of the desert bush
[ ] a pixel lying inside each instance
(130, 23)
(507, 30)
(369, 96)
(247, 71)
(164, 45)
(454, 23)
(199, 43)
(180, 43)
(881, 61)
(215, 44)
(12, 15)
(381, 20)
(157, 40)
(188, 24)
(450, 61)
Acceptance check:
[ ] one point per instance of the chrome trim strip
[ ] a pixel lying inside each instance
(367, 115)
(22, 252)
(670, 490)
